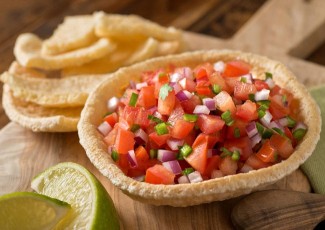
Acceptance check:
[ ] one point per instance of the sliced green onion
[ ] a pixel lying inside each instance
(268, 75)
(244, 80)
(279, 131)
(133, 99)
(185, 150)
(237, 132)
(114, 155)
(291, 122)
(299, 133)
(261, 113)
(187, 171)
(190, 117)
(226, 117)
(164, 91)
(153, 153)
(155, 119)
(260, 128)
(225, 152)
(235, 155)
(161, 129)
(216, 88)
(264, 104)
(134, 127)
(251, 97)
(267, 133)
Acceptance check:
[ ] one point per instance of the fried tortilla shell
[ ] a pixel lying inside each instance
(207, 191)
(38, 118)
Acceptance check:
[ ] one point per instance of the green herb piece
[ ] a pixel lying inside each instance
(161, 129)
(185, 150)
(291, 122)
(260, 128)
(190, 117)
(235, 155)
(284, 99)
(299, 134)
(154, 119)
(225, 152)
(153, 153)
(226, 117)
(133, 99)
(114, 155)
(265, 104)
(251, 97)
(164, 91)
(187, 171)
(261, 113)
(134, 127)
(279, 131)
(237, 132)
(243, 79)
(216, 88)
(268, 75)
(267, 133)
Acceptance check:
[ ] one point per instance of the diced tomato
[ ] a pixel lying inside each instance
(247, 111)
(238, 125)
(228, 166)
(259, 84)
(203, 70)
(163, 78)
(236, 68)
(242, 90)
(277, 108)
(224, 102)
(182, 128)
(190, 104)
(204, 90)
(217, 79)
(190, 138)
(188, 84)
(158, 174)
(243, 143)
(177, 114)
(231, 82)
(214, 138)
(254, 162)
(166, 106)
(282, 144)
(198, 158)
(125, 99)
(136, 115)
(212, 164)
(209, 124)
(111, 119)
(142, 157)
(159, 140)
(111, 136)
(124, 141)
(135, 172)
(267, 153)
(146, 98)
(123, 163)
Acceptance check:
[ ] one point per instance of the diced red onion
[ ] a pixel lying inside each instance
(256, 139)
(262, 95)
(201, 109)
(248, 77)
(174, 143)
(132, 85)
(183, 95)
(158, 115)
(276, 124)
(266, 120)
(299, 125)
(152, 110)
(165, 155)
(283, 121)
(216, 174)
(131, 158)
(195, 177)
(270, 82)
(219, 66)
(183, 180)
(140, 137)
(187, 72)
(173, 166)
(139, 86)
(139, 178)
(177, 87)
(104, 128)
(251, 129)
(112, 104)
(175, 77)
(246, 168)
(210, 103)
(212, 152)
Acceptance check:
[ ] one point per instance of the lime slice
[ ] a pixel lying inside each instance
(92, 207)
(28, 210)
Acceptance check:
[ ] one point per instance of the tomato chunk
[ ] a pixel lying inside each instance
(158, 174)
(247, 111)
(282, 144)
(182, 128)
(146, 98)
(209, 124)
(267, 153)
(242, 90)
(228, 166)
(236, 68)
(124, 141)
(198, 158)
(166, 106)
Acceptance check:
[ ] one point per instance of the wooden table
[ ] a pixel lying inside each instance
(285, 30)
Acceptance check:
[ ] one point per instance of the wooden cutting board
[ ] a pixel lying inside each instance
(280, 30)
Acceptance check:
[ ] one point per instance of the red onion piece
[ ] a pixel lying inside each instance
(210, 103)
(299, 125)
(132, 84)
(248, 77)
(177, 88)
(212, 152)
(183, 95)
(140, 137)
(283, 121)
(270, 83)
(276, 124)
(256, 139)
(112, 104)
(251, 129)
(152, 110)
(173, 166)
(183, 180)
(104, 128)
(219, 66)
(187, 72)
(201, 109)
(174, 143)
(158, 115)
(131, 158)
(246, 168)
(165, 155)
(175, 77)
(262, 95)
(139, 86)
(195, 177)
(266, 120)
(110, 149)
(216, 174)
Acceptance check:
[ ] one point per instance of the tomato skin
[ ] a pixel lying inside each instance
(259, 84)
(136, 115)
(267, 153)
(242, 90)
(282, 145)
(212, 164)
(142, 157)
(224, 102)
(198, 158)
(209, 124)
(236, 68)
(189, 105)
(243, 143)
(111, 119)
(228, 166)
(158, 174)
(217, 79)
(188, 84)
(204, 90)
(254, 162)
(247, 111)
(181, 129)
(159, 140)
(124, 141)
(277, 107)
(146, 98)
(166, 106)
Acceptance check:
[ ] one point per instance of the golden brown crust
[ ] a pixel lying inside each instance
(210, 190)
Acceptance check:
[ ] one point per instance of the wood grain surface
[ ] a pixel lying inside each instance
(279, 30)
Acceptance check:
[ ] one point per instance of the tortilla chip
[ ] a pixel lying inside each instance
(207, 191)
(122, 27)
(28, 46)
(75, 32)
(38, 118)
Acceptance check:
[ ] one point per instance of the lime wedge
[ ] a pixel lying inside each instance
(28, 210)
(92, 207)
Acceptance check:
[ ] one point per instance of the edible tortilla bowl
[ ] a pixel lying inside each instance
(210, 190)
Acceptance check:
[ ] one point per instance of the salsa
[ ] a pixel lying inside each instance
(186, 125)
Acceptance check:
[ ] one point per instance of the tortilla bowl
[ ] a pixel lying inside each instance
(210, 190)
